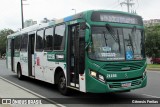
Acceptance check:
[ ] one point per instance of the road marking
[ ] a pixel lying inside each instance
(38, 95)
(150, 96)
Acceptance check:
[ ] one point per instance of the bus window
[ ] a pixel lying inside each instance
(9, 44)
(48, 40)
(39, 40)
(17, 43)
(59, 37)
(24, 42)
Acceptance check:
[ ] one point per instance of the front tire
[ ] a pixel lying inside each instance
(62, 85)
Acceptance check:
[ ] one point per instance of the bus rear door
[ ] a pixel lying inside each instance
(12, 54)
(31, 57)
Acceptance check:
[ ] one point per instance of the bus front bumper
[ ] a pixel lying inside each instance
(97, 86)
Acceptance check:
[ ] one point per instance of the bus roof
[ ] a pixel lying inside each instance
(66, 19)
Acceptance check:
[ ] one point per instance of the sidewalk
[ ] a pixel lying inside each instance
(9, 90)
(153, 69)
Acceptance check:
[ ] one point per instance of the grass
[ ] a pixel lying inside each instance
(154, 66)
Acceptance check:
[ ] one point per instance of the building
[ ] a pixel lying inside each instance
(29, 22)
(45, 20)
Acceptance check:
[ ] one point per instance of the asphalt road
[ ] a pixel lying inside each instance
(79, 99)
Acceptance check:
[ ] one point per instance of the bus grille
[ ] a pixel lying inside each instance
(123, 66)
(119, 84)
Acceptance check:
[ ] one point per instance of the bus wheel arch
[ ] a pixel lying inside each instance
(19, 71)
(58, 71)
(60, 80)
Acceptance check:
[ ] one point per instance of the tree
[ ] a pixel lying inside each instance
(152, 42)
(3, 38)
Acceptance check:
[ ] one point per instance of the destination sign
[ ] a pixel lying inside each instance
(116, 18)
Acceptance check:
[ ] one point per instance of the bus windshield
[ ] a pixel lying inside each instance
(116, 44)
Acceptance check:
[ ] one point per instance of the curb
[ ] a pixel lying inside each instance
(153, 69)
(29, 91)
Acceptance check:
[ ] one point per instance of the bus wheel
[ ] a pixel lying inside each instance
(62, 84)
(19, 72)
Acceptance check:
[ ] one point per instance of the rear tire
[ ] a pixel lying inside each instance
(19, 72)
(62, 87)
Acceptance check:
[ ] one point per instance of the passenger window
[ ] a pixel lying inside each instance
(39, 40)
(48, 40)
(17, 43)
(9, 45)
(24, 42)
(59, 37)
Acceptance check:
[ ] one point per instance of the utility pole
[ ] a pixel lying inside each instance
(128, 3)
(22, 14)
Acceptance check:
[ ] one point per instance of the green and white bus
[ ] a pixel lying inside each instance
(97, 51)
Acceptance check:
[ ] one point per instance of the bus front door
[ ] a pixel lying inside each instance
(12, 54)
(75, 61)
(31, 60)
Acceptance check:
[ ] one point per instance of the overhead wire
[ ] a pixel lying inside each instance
(116, 4)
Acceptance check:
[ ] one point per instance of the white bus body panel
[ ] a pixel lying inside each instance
(49, 70)
(82, 83)
(24, 63)
(39, 66)
(44, 69)
(9, 62)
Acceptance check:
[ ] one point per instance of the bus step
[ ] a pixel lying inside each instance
(74, 85)
(32, 77)
(77, 85)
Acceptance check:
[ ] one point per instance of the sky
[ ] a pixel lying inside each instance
(10, 10)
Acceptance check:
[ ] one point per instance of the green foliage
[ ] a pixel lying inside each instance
(152, 42)
(3, 39)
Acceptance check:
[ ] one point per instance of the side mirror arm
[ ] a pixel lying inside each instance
(88, 44)
(88, 36)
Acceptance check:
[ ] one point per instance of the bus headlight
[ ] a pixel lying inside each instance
(101, 78)
(97, 76)
(93, 74)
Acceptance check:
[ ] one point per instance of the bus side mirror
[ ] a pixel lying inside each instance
(83, 25)
(87, 39)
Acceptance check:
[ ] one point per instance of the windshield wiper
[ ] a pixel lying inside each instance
(105, 38)
(131, 42)
(109, 28)
(117, 39)
(133, 34)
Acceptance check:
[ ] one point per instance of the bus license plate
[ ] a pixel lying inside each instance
(128, 84)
